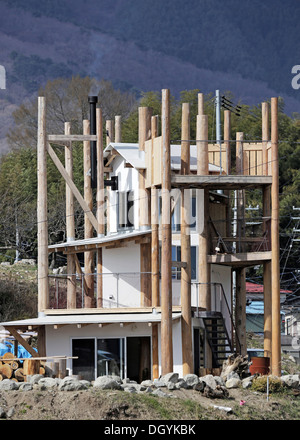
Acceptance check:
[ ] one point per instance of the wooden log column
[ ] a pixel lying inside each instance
(186, 320)
(42, 216)
(145, 114)
(203, 214)
(70, 225)
(166, 241)
(227, 143)
(240, 307)
(154, 257)
(100, 202)
(118, 129)
(89, 300)
(267, 277)
(276, 322)
(109, 130)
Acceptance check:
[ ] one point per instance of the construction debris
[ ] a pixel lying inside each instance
(235, 363)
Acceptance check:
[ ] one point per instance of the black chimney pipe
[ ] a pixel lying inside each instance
(93, 101)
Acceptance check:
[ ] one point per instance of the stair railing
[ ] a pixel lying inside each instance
(223, 300)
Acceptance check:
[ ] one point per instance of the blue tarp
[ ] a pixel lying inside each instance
(8, 347)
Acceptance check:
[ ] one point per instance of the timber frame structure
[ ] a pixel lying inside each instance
(263, 174)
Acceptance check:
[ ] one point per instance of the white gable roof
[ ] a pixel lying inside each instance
(136, 157)
(130, 152)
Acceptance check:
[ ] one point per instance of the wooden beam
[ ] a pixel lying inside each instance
(66, 138)
(78, 269)
(89, 265)
(185, 290)
(227, 127)
(180, 264)
(155, 281)
(202, 145)
(265, 136)
(21, 341)
(220, 182)
(240, 310)
(166, 243)
(70, 224)
(42, 209)
(204, 290)
(73, 187)
(276, 323)
(243, 259)
(267, 267)
(109, 126)
(118, 129)
(110, 159)
(144, 115)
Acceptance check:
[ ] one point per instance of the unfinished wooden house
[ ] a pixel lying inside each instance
(157, 284)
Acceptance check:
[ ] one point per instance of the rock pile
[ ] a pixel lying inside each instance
(209, 385)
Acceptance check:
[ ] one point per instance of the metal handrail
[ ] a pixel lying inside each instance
(228, 309)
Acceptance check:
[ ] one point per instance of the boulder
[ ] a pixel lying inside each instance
(26, 386)
(147, 383)
(158, 383)
(71, 384)
(247, 382)
(191, 380)
(219, 380)
(233, 383)
(210, 381)
(8, 385)
(291, 380)
(160, 393)
(35, 378)
(48, 382)
(170, 378)
(107, 383)
(181, 384)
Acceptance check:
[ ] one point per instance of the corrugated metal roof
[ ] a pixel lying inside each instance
(113, 318)
(99, 240)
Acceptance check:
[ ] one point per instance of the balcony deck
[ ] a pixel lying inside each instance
(221, 182)
(244, 259)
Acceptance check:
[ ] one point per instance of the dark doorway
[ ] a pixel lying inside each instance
(138, 358)
(84, 366)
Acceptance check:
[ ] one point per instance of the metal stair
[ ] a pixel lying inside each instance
(217, 336)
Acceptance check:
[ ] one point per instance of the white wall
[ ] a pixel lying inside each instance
(59, 342)
(222, 274)
(121, 279)
(128, 180)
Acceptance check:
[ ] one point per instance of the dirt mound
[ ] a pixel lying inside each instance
(106, 405)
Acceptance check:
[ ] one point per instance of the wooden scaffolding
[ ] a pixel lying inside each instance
(256, 167)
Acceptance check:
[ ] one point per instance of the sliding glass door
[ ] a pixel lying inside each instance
(110, 357)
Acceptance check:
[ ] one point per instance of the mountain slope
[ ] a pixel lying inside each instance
(248, 47)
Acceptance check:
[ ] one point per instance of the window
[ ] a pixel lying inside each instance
(176, 256)
(176, 213)
(125, 209)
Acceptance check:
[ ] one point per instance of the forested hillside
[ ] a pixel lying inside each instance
(255, 39)
(247, 47)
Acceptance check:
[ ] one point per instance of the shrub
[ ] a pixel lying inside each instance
(260, 384)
